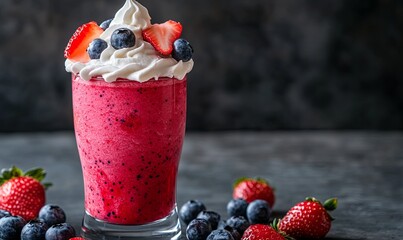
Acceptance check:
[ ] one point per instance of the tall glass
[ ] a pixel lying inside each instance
(129, 137)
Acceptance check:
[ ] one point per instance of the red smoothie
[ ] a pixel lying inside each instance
(129, 137)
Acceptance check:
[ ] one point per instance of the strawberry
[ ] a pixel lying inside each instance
(22, 194)
(263, 232)
(162, 36)
(251, 189)
(76, 49)
(308, 219)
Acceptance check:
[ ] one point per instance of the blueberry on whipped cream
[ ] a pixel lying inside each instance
(96, 47)
(122, 38)
(105, 24)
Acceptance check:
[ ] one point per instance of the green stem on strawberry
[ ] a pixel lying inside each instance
(265, 181)
(275, 225)
(241, 179)
(7, 174)
(312, 199)
(330, 204)
(36, 173)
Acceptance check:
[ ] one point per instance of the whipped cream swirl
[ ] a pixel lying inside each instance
(140, 62)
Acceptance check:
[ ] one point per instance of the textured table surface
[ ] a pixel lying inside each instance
(364, 170)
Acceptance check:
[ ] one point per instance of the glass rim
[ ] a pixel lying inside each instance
(100, 78)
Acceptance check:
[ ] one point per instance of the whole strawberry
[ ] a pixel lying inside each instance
(251, 189)
(22, 194)
(308, 219)
(262, 232)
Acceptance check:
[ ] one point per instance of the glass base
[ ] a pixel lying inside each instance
(168, 228)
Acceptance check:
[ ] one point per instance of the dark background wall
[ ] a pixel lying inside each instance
(260, 64)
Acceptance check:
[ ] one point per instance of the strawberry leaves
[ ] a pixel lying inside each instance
(330, 204)
(36, 173)
(7, 174)
(239, 180)
(274, 224)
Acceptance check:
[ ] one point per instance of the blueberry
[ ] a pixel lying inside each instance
(220, 234)
(4, 213)
(237, 207)
(10, 227)
(105, 24)
(198, 229)
(34, 230)
(61, 231)
(239, 223)
(190, 210)
(258, 211)
(96, 47)
(182, 50)
(212, 217)
(52, 214)
(122, 38)
(235, 234)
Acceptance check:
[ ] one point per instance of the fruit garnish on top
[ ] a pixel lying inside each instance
(86, 44)
(76, 49)
(162, 36)
(22, 194)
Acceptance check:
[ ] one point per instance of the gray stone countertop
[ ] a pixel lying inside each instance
(363, 169)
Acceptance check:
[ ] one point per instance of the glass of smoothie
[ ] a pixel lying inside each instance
(129, 137)
(129, 104)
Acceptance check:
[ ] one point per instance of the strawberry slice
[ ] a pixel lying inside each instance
(162, 36)
(76, 49)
